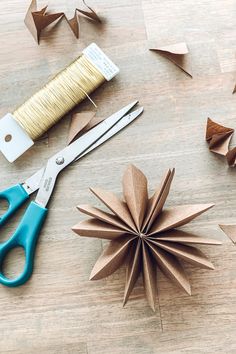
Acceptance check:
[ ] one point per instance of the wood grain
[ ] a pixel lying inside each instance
(59, 310)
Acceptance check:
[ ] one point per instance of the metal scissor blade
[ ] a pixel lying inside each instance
(79, 146)
(63, 158)
(32, 183)
(119, 126)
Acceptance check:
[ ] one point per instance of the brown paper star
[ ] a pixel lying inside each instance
(144, 234)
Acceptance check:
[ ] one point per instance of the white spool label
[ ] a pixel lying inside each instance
(101, 61)
(13, 139)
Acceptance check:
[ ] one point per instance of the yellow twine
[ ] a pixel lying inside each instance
(57, 97)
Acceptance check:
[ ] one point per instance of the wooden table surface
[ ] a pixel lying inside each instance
(59, 310)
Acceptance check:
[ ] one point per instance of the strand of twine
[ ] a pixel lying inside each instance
(59, 96)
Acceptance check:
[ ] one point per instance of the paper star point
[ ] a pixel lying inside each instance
(230, 231)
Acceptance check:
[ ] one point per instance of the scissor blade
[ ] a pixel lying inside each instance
(79, 146)
(114, 130)
(62, 159)
(32, 183)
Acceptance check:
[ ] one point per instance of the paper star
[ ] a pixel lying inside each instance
(143, 234)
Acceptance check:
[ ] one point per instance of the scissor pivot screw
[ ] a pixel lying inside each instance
(60, 160)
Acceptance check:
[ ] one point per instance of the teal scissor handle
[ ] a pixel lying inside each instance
(25, 236)
(15, 196)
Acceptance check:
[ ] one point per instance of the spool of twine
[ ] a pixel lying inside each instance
(57, 97)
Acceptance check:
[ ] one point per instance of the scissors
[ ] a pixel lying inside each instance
(44, 180)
